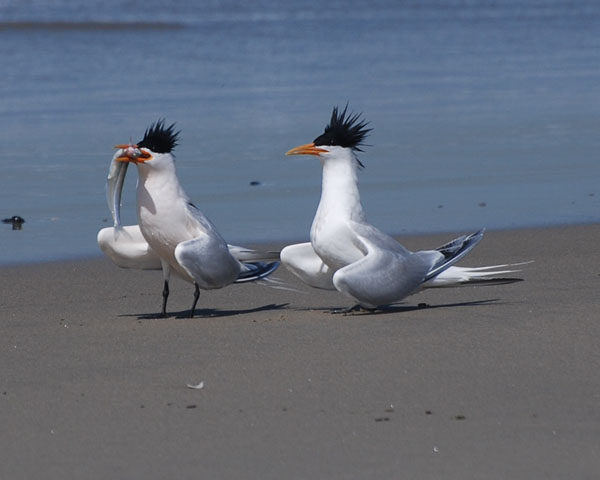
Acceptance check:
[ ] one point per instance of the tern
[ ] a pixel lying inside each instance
(348, 254)
(172, 234)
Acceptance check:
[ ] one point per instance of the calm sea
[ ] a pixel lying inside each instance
(485, 113)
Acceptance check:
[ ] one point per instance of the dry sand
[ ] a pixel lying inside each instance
(495, 382)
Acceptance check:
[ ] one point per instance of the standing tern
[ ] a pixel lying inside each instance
(352, 256)
(173, 234)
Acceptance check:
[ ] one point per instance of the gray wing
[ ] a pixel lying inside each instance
(367, 234)
(207, 260)
(214, 264)
(387, 273)
(199, 224)
(455, 250)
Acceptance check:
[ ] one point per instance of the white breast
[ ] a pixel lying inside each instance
(334, 241)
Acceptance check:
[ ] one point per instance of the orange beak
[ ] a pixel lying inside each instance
(131, 153)
(308, 149)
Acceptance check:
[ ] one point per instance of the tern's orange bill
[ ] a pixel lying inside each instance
(308, 149)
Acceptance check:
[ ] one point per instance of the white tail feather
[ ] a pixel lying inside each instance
(277, 284)
(457, 276)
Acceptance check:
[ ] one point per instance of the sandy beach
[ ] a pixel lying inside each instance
(494, 382)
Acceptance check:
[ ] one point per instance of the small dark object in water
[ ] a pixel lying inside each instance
(255, 183)
(482, 204)
(382, 419)
(16, 221)
(460, 417)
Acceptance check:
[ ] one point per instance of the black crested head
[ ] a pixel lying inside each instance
(344, 130)
(158, 138)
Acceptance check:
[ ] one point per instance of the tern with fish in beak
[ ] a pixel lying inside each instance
(172, 233)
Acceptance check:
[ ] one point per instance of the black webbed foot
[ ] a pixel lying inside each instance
(356, 308)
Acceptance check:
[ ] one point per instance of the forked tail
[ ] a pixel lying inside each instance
(453, 251)
(255, 271)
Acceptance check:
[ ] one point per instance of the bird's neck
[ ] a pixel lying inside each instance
(158, 186)
(340, 198)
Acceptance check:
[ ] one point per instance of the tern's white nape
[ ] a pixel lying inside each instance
(352, 256)
(172, 233)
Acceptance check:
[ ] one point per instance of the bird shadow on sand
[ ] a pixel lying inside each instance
(402, 308)
(208, 312)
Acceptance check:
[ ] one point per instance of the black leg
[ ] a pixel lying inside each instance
(165, 296)
(196, 297)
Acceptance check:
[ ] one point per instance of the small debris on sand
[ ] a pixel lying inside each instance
(199, 386)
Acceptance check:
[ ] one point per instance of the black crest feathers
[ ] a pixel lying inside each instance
(159, 138)
(344, 130)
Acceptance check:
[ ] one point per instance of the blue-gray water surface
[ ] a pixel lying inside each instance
(484, 113)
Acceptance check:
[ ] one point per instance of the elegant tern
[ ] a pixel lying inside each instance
(172, 235)
(350, 255)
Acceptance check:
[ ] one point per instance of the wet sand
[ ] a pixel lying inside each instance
(487, 382)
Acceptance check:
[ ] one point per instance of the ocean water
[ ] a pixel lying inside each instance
(484, 113)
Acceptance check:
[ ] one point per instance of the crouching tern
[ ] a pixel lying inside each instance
(352, 256)
(172, 234)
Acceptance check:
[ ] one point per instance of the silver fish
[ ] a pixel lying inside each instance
(114, 188)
